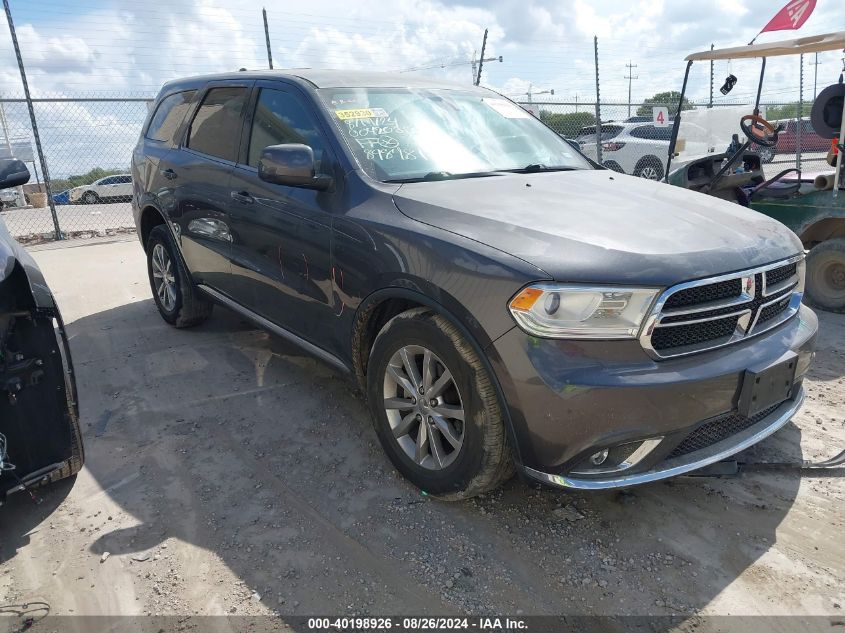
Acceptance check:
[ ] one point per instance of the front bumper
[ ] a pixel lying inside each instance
(680, 465)
(568, 400)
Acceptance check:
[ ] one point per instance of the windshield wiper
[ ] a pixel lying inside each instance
(538, 167)
(443, 175)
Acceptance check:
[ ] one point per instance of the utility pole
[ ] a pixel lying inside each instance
(815, 75)
(474, 66)
(267, 38)
(481, 61)
(44, 171)
(711, 78)
(531, 92)
(630, 77)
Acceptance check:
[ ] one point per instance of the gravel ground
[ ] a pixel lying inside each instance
(227, 473)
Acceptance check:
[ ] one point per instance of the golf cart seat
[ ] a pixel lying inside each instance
(777, 188)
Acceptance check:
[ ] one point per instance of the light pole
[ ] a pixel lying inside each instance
(530, 94)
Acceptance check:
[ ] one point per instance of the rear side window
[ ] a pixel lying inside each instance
(588, 134)
(652, 132)
(216, 127)
(169, 115)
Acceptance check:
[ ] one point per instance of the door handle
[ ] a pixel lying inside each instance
(243, 197)
(168, 173)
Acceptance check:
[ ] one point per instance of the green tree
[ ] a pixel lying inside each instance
(787, 111)
(669, 99)
(567, 124)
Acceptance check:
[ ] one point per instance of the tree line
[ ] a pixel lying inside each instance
(60, 184)
(568, 124)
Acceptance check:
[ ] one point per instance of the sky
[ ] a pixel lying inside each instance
(133, 46)
(128, 48)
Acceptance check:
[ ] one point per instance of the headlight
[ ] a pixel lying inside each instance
(599, 312)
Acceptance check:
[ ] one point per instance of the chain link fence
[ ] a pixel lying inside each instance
(88, 141)
(87, 144)
(630, 140)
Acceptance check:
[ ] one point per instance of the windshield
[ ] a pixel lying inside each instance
(400, 134)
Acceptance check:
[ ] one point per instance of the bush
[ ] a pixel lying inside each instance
(567, 124)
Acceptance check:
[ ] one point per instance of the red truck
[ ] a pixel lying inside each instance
(810, 141)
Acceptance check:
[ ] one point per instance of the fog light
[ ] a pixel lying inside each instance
(597, 459)
(616, 458)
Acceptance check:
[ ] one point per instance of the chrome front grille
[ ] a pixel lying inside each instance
(707, 313)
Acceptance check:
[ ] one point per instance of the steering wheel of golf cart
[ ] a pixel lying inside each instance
(758, 130)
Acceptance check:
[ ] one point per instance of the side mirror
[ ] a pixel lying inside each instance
(13, 173)
(291, 164)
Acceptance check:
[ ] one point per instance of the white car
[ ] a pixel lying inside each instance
(9, 199)
(639, 149)
(113, 188)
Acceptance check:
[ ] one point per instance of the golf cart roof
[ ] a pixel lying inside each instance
(810, 44)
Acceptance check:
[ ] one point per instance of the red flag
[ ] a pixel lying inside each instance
(791, 17)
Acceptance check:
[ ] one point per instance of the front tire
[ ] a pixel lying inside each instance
(435, 409)
(178, 300)
(89, 197)
(825, 287)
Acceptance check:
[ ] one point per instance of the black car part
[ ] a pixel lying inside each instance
(41, 441)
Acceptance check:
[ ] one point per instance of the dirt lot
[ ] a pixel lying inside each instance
(227, 473)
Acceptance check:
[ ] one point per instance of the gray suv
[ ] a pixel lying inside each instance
(503, 304)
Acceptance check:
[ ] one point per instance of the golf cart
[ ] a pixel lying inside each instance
(811, 204)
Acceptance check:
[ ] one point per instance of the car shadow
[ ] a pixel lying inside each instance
(23, 514)
(229, 439)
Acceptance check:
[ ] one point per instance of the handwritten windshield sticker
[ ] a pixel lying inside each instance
(507, 109)
(361, 113)
(382, 138)
(364, 127)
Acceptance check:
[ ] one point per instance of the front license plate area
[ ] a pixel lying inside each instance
(765, 387)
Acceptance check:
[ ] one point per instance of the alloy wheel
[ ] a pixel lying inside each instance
(424, 407)
(163, 277)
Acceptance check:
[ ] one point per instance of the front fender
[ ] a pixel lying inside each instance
(12, 254)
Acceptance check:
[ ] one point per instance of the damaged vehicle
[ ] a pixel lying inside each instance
(40, 439)
(504, 304)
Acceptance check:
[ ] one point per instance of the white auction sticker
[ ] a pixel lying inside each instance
(507, 109)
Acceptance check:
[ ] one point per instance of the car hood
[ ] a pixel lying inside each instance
(600, 226)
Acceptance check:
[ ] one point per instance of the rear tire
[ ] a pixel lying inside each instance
(179, 301)
(469, 456)
(825, 286)
(649, 168)
(614, 166)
